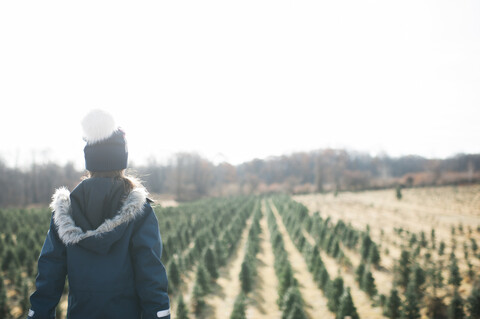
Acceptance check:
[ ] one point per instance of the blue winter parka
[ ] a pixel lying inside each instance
(114, 270)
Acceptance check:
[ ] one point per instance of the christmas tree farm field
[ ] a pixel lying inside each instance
(359, 255)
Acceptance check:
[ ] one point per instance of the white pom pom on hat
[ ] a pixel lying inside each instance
(98, 125)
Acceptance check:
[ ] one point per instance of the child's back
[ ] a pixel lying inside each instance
(104, 235)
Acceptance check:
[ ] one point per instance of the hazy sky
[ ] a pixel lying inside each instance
(235, 80)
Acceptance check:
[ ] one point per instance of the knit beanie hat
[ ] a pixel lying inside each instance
(106, 148)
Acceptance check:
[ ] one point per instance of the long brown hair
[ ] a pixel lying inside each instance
(129, 182)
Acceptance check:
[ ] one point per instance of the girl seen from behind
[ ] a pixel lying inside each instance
(104, 236)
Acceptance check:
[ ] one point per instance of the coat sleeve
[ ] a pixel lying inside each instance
(50, 281)
(150, 275)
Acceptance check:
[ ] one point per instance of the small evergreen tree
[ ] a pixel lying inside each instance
(369, 283)
(9, 260)
(245, 278)
(3, 299)
(455, 278)
(211, 264)
(366, 243)
(404, 268)
(411, 309)
(423, 239)
(359, 272)
(182, 310)
(335, 251)
(197, 297)
(439, 277)
(238, 311)
(173, 274)
(455, 309)
(393, 305)
(286, 281)
(292, 305)
(202, 279)
(471, 273)
(334, 292)
(473, 302)
(474, 245)
(398, 192)
(324, 278)
(347, 308)
(419, 279)
(219, 253)
(25, 302)
(413, 240)
(374, 255)
(441, 248)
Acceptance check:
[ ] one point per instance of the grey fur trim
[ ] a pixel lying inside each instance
(70, 233)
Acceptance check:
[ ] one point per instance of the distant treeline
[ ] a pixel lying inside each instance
(188, 176)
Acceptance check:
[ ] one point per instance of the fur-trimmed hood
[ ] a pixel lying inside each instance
(70, 234)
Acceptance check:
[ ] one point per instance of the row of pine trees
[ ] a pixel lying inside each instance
(415, 286)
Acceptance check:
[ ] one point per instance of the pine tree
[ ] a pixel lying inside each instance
(374, 255)
(245, 278)
(369, 283)
(455, 278)
(296, 313)
(398, 192)
(313, 259)
(3, 299)
(473, 303)
(292, 304)
(359, 272)
(411, 308)
(404, 268)
(202, 279)
(455, 309)
(211, 264)
(286, 281)
(393, 305)
(366, 243)
(441, 248)
(347, 308)
(324, 278)
(173, 274)
(182, 310)
(198, 301)
(238, 311)
(335, 249)
(25, 302)
(334, 292)
(471, 273)
(413, 240)
(474, 245)
(9, 260)
(419, 279)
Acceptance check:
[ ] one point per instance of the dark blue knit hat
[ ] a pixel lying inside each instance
(106, 148)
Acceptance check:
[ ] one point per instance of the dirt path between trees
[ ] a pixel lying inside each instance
(360, 299)
(263, 299)
(315, 301)
(219, 304)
